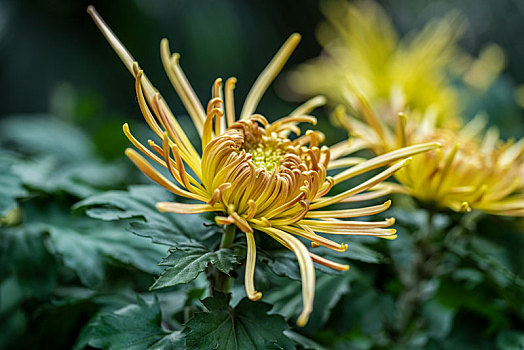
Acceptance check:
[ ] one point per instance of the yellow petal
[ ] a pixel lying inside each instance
(250, 268)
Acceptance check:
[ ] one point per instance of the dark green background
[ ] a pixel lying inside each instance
(53, 58)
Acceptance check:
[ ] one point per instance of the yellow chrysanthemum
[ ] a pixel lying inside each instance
(471, 170)
(250, 172)
(370, 71)
(364, 53)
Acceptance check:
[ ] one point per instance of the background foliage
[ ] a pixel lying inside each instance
(81, 242)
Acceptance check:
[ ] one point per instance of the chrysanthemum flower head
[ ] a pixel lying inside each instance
(400, 92)
(363, 52)
(250, 172)
(473, 169)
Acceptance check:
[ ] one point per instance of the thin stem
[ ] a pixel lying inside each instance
(228, 236)
(428, 230)
(410, 299)
(430, 225)
(188, 313)
(222, 279)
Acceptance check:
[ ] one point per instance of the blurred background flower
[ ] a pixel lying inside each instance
(412, 90)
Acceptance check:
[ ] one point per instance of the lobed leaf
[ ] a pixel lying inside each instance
(49, 174)
(86, 245)
(134, 327)
(137, 205)
(188, 260)
(246, 326)
(44, 134)
(10, 186)
(287, 298)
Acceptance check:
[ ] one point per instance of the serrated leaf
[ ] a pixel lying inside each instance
(303, 341)
(24, 253)
(138, 206)
(287, 298)
(283, 263)
(247, 326)
(86, 245)
(84, 178)
(173, 341)
(61, 157)
(358, 251)
(492, 258)
(137, 202)
(188, 260)
(134, 327)
(10, 186)
(85, 251)
(364, 308)
(45, 134)
(439, 319)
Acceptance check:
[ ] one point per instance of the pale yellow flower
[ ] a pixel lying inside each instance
(399, 92)
(473, 169)
(363, 53)
(249, 171)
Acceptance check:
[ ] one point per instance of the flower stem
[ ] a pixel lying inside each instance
(411, 299)
(222, 279)
(228, 236)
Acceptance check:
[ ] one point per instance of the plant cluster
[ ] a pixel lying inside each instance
(260, 234)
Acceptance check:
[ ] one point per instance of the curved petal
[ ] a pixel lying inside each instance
(307, 269)
(250, 268)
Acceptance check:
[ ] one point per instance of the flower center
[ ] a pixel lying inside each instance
(265, 156)
(267, 151)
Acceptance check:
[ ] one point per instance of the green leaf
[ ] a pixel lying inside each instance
(84, 250)
(358, 251)
(87, 246)
(417, 219)
(134, 327)
(63, 318)
(24, 253)
(471, 277)
(45, 134)
(364, 308)
(510, 340)
(378, 311)
(136, 203)
(12, 318)
(303, 341)
(138, 206)
(188, 260)
(482, 302)
(10, 185)
(403, 252)
(83, 178)
(492, 258)
(62, 158)
(439, 319)
(283, 263)
(247, 326)
(287, 297)
(174, 341)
